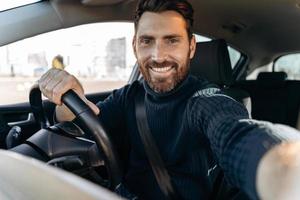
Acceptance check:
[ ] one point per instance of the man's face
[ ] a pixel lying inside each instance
(163, 49)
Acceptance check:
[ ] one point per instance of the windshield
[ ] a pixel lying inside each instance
(8, 4)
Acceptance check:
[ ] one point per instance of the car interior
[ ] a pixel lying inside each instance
(262, 32)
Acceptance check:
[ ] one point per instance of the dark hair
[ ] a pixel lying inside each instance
(59, 58)
(183, 7)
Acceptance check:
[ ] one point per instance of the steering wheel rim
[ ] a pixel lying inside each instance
(87, 121)
(36, 104)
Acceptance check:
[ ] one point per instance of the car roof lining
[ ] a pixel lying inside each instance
(26, 21)
(45, 16)
(101, 2)
(264, 33)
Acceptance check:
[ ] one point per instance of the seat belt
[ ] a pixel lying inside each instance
(298, 121)
(160, 172)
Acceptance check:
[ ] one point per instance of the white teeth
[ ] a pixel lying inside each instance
(161, 69)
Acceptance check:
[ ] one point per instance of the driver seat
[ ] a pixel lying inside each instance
(211, 61)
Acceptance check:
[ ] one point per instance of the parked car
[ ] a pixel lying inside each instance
(264, 51)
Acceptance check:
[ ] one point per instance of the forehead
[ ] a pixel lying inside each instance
(167, 22)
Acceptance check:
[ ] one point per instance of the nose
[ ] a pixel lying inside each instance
(159, 53)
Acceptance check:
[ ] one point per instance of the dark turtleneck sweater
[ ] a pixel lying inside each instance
(195, 127)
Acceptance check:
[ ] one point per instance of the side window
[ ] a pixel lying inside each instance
(234, 55)
(289, 64)
(200, 38)
(100, 55)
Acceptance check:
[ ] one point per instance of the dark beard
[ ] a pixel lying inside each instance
(156, 85)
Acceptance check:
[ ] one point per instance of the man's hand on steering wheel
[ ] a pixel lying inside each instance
(61, 88)
(56, 82)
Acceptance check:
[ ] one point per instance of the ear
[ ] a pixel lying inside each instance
(134, 46)
(192, 47)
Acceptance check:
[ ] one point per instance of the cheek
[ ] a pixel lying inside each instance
(141, 55)
(182, 57)
(181, 51)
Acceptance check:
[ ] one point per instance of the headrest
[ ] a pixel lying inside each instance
(272, 76)
(271, 79)
(212, 62)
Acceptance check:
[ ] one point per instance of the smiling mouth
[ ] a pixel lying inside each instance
(161, 69)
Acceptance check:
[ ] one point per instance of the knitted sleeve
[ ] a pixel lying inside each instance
(237, 141)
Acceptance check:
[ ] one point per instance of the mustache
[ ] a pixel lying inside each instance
(155, 64)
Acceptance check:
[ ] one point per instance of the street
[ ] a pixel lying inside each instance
(16, 90)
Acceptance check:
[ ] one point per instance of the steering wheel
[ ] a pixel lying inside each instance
(88, 122)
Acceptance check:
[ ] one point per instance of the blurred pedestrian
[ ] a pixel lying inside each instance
(58, 62)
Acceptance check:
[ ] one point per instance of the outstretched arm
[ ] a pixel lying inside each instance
(246, 149)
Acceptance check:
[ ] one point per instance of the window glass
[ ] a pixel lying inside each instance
(234, 55)
(289, 64)
(200, 38)
(100, 55)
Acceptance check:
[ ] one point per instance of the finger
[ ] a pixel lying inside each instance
(42, 84)
(67, 83)
(45, 78)
(77, 87)
(53, 75)
(52, 89)
(42, 79)
(94, 108)
(48, 82)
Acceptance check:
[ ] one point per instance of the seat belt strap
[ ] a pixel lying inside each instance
(160, 172)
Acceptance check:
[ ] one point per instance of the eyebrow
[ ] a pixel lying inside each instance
(172, 36)
(165, 37)
(146, 37)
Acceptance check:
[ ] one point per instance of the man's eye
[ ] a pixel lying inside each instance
(173, 40)
(145, 41)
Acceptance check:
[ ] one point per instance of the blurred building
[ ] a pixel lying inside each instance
(115, 58)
